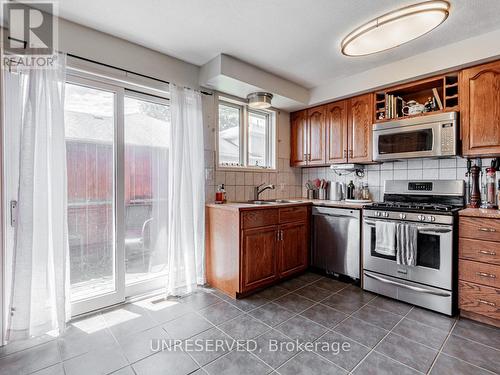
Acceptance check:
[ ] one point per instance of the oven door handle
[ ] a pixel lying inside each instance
(433, 230)
(421, 229)
(411, 287)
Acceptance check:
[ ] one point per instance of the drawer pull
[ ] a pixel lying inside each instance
(487, 302)
(482, 229)
(484, 274)
(486, 252)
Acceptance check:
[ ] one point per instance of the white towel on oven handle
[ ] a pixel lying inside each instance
(385, 238)
(406, 244)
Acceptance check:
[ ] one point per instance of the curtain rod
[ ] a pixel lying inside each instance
(128, 71)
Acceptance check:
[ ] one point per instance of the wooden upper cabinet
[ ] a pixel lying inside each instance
(316, 136)
(480, 110)
(298, 138)
(336, 132)
(360, 121)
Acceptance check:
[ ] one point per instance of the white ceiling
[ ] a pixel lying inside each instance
(295, 39)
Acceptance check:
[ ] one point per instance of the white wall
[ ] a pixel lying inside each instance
(104, 48)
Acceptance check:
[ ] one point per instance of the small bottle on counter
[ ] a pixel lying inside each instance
(490, 188)
(220, 194)
(350, 190)
(365, 193)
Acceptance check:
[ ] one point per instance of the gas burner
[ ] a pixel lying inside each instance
(413, 206)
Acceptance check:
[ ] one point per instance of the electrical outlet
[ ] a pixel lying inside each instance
(209, 174)
(282, 186)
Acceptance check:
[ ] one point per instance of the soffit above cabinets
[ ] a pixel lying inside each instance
(238, 78)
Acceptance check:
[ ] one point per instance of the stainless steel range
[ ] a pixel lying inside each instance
(431, 207)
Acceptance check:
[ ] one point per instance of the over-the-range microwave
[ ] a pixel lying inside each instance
(427, 136)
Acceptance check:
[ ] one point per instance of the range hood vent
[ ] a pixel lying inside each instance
(347, 167)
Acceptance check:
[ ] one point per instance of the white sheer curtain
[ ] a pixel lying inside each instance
(186, 216)
(40, 279)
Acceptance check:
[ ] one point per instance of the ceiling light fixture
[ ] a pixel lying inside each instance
(259, 100)
(395, 28)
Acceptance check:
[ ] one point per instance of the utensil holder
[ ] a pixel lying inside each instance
(322, 194)
(310, 194)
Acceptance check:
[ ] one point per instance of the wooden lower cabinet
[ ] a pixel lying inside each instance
(258, 257)
(249, 249)
(479, 268)
(293, 249)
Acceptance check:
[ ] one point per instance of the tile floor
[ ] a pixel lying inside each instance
(383, 337)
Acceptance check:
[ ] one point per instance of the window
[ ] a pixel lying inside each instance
(246, 137)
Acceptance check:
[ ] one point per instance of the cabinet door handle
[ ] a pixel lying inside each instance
(482, 229)
(484, 274)
(345, 154)
(484, 302)
(350, 153)
(486, 252)
(277, 235)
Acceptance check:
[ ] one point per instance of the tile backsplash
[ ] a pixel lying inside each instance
(239, 184)
(412, 169)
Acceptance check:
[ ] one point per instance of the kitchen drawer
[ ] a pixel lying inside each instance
(480, 228)
(481, 251)
(259, 218)
(480, 273)
(479, 299)
(291, 214)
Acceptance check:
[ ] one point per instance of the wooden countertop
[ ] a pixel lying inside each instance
(303, 201)
(480, 212)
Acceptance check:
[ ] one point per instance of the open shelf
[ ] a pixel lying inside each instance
(442, 91)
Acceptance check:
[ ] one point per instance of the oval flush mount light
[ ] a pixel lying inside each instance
(395, 28)
(259, 100)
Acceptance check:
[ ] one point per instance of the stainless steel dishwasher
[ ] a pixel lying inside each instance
(336, 241)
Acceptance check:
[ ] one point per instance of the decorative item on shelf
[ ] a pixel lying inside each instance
(437, 98)
(413, 107)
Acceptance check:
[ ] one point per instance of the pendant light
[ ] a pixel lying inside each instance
(395, 28)
(259, 100)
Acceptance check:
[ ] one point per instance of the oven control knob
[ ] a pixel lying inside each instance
(402, 216)
(431, 218)
(377, 213)
(421, 217)
(386, 214)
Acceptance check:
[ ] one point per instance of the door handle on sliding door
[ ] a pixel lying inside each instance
(13, 213)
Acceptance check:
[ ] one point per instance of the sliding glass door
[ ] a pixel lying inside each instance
(92, 131)
(146, 196)
(117, 164)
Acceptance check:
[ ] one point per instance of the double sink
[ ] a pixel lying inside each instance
(272, 201)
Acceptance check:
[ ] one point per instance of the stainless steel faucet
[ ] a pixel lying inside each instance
(259, 189)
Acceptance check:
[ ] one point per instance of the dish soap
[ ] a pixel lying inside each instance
(220, 194)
